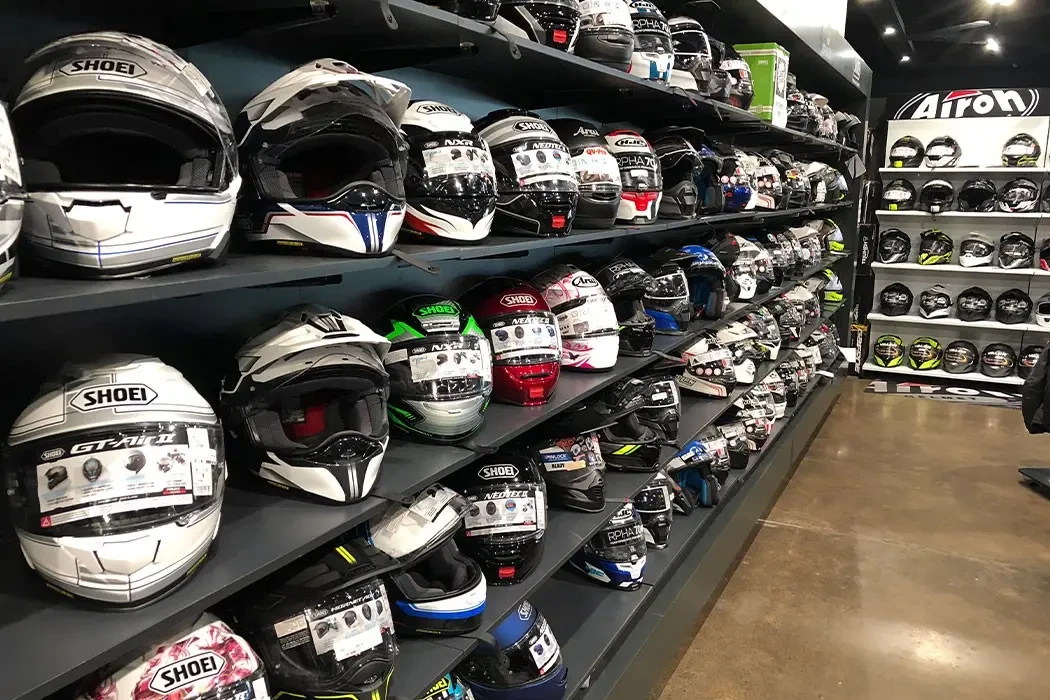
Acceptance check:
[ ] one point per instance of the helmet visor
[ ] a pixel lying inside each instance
(445, 367)
(517, 509)
(596, 170)
(669, 288)
(624, 543)
(115, 480)
(655, 498)
(663, 393)
(542, 165)
(525, 338)
(456, 165)
(639, 172)
(587, 317)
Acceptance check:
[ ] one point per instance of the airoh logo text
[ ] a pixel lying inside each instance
(99, 397)
(111, 66)
(179, 674)
(518, 300)
(498, 471)
(533, 126)
(961, 104)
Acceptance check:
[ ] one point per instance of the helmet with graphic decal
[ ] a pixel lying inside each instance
(569, 457)
(627, 443)
(449, 687)
(670, 303)
(943, 152)
(694, 67)
(653, 55)
(640, 174)
(626, 284)
(12, 200)
(606, 33)
(654, 505)
(596, 168)
(615, 555)
(586, 317)
(906, 152)
(663, 401)
(692, 470)
(440, 368)
(708, 369)
(1021, 151)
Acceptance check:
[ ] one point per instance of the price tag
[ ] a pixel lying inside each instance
(202, 478)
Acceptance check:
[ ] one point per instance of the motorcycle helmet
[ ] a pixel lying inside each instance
(789, 319)
(780, 256)
(973, 304)
(691, 469)
(976, 250)
(1042, 311)
(640, 173)
(762, 261)
(778, 390)
(737, 193)
(147, 182)
(895, 299)
(1044, 256)
(745, 279)
(740, 339)
(998, 360)
(943, 152)
(1018, 196)
(554, 23)
(806, 302)
(663, 402)
(834, 291)
(205, 659)
(1021, 151)
(451, 181)
(1016, 251)
(894, 246)
(670, 303)
(571, 463)
(791, 383)
(935, 247)
(960, 357)
(615, 555)
(596, 169)
(977, 195)
(131, 550)
(796, 189)
(537, 190)
(523, 334)
(888, 351)
(708, 369)
(708, 282)
(587, 319)
(306, 406)
(1029, 357)
(717, 448)
(653, 55)
(734, 433)
(526, 663)
(504, 526)
(924, 354)
(440, 369)
(626, 284)
(1013, 306)
(653, 504)
(680, 167)
(741, 88)
(935, 302)
(694, 69)
(606, 34)
(12, 200)
(830, 236)
(768, 187)
(625, 442)
(799, 116)
(765, 326)
(899, 195)
(708, 179)
(817, 173)
(907, 152)
(936, 196)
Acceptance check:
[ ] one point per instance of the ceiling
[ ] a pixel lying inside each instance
(950, 36)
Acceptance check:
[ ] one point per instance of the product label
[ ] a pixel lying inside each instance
(544, 648)
(571, 454)
(505, 509)
(347, 628)
(709, 357)
(595, 165)
(542, 161)
(447, 364)
(458, 159)
(9, 169)
(525, 336)
(604, 13)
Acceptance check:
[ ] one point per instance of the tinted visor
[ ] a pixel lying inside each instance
(445, 367)
(655, 498)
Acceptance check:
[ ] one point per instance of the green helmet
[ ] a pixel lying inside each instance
(833, 289)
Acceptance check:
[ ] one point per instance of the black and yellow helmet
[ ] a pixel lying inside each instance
(935, 247)
(925, 354)
(888, 351)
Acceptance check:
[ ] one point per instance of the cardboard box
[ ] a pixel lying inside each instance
(769, 70)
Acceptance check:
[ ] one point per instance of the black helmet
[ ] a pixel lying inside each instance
(572, 466)
(998, 360)
(1019, 196)
(799, 117)
(943, 152)
(906, 152)
(606, 34)
(535, 177)
(789, 319)
(936, 196)
(935, 302)
(1026, 362)
(1016, 251)
(653, 503)
(960, 357)
(925, 354)
(973, 304)
(596, 170)
(1021, 151)
(625, 283)
(976, 250)
(795, 185)
(682, 168)
(977, 195)
(693, 67)
(1013, 306)
(899, 195)
(895, 299)
(628, 444)
(935, 247)
(894, 246)
(663, 402)
(553, 23)
(888, 351)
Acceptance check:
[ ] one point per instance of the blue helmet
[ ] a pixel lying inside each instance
(449, 687)
(707, 282)
(736, 182)
(527, 665)
(615, 556)
(668, 302)
(692, 470)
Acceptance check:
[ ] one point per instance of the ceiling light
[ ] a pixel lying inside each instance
(991, 45)
(1001, 3)
(889, 31)
(905, 59)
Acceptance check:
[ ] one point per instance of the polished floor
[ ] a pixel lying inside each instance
(903, 560)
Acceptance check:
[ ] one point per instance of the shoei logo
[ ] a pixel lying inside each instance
(435, 108)
(525, 610)
(631, 142)
(103, 65)
(98, 397)
(52, 454)
(533, 126)
(448, 308)
(498, 471)
(184, 672)
(586, 131)
(518, 300)
(959, 104)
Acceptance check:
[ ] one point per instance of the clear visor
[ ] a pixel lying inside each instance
(652, 41)
(639, 172)
(587, 317)
(512, 510)
(596, 169)
(445, 367)
(623, 544)
(540, 165)
(670, 287)
(525, 338)
(457, 164)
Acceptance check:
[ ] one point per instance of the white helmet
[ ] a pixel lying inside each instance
(745, 275)
(586, 317)
(307, 406)
(709, 368)
(205, 660)
(976, 250)
(12, 200)
(740, 339)
(653, 56)
(1042, 311)
(326, 158)
(774, 383)
(129, 157)
(115, 480)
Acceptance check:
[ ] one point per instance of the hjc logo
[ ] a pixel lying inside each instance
(103, 65)
(186, 672)
(498, 471)
(518, 300)
(632, 142)
(99, 397)
(959, 104)
(533, 126)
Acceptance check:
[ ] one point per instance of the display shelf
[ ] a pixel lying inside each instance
(825, 262)
(956, 269)
(959, 323)
(967, 170)
(915, 214)
(973, 377)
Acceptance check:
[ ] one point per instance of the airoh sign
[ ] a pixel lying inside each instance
(964, 104)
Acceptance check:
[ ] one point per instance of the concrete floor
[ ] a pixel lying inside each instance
(903, 560)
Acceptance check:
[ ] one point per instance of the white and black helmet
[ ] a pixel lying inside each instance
(709, 368)
(943, 152)
(606, 33)
(305, 407)
(115, 477)
(741, 340)
(1042, 311)
(640, 175)
(935, 302)
(1018, 196)
(12, 200)
(129, 157)
(937, 196)
(653, 55)
(323, 150)
(450, 183)
(976, 250)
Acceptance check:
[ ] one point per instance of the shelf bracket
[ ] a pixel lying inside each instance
(415, 262)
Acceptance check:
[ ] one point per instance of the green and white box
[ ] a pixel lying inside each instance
(769, 71)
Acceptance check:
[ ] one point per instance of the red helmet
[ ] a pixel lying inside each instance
(526, 346)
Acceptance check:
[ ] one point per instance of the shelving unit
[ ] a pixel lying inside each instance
(959, 323)
(965, 170)
(957, 269)
(974, 377)
(976, 215)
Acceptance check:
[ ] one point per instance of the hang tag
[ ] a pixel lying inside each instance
(431, 505)
(202, 478)
(197, 438)
(358, 643)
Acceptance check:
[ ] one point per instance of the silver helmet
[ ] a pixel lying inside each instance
(128, 157)
(115, 476)
(12, 200)
(306, 407)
